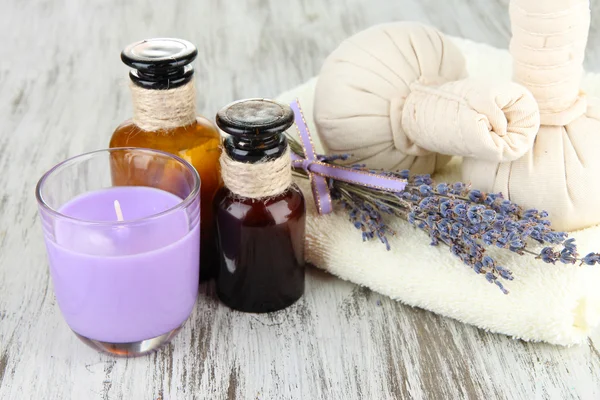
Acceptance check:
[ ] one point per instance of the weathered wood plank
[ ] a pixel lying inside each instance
(63, 90)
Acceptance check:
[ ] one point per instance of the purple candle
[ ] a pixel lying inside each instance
(124, 260)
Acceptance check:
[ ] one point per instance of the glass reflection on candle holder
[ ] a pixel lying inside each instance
(124, 258)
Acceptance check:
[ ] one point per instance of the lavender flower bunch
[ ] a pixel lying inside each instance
(465, 220)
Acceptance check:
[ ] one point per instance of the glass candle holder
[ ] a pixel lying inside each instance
(124, 259)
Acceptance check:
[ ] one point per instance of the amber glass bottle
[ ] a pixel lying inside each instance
(165, 119)
(261, 238)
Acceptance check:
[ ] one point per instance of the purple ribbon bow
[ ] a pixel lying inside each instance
(318, 171)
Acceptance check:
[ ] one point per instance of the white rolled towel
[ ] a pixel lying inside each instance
(559, 304)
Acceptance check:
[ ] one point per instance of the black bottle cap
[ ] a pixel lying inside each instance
(161, 63)
(255, 118)
(256, 127)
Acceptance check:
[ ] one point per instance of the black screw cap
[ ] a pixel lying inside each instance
(256, 127)
(161, 63)
(255, 118)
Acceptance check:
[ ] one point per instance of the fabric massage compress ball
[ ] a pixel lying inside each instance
(397, 96)
(560, 173)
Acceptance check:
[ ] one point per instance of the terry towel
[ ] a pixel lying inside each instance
(558, 304)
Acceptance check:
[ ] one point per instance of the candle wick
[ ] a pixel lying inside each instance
(118, 210)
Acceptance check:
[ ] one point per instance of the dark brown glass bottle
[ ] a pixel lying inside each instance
(261, 240)
(161, 67)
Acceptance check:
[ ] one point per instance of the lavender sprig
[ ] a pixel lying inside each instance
(467, 221)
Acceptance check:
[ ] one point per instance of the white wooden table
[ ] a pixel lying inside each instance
(63, 90)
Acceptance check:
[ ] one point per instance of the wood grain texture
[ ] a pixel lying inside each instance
(63, 90)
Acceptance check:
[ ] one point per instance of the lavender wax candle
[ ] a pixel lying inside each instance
(124, 260)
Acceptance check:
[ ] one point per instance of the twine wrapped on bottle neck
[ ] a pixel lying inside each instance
(257, 180)
(163, 110)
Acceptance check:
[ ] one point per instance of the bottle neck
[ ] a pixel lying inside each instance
(162, 79)
(253, 150)
(257, 180)
(163, 110)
